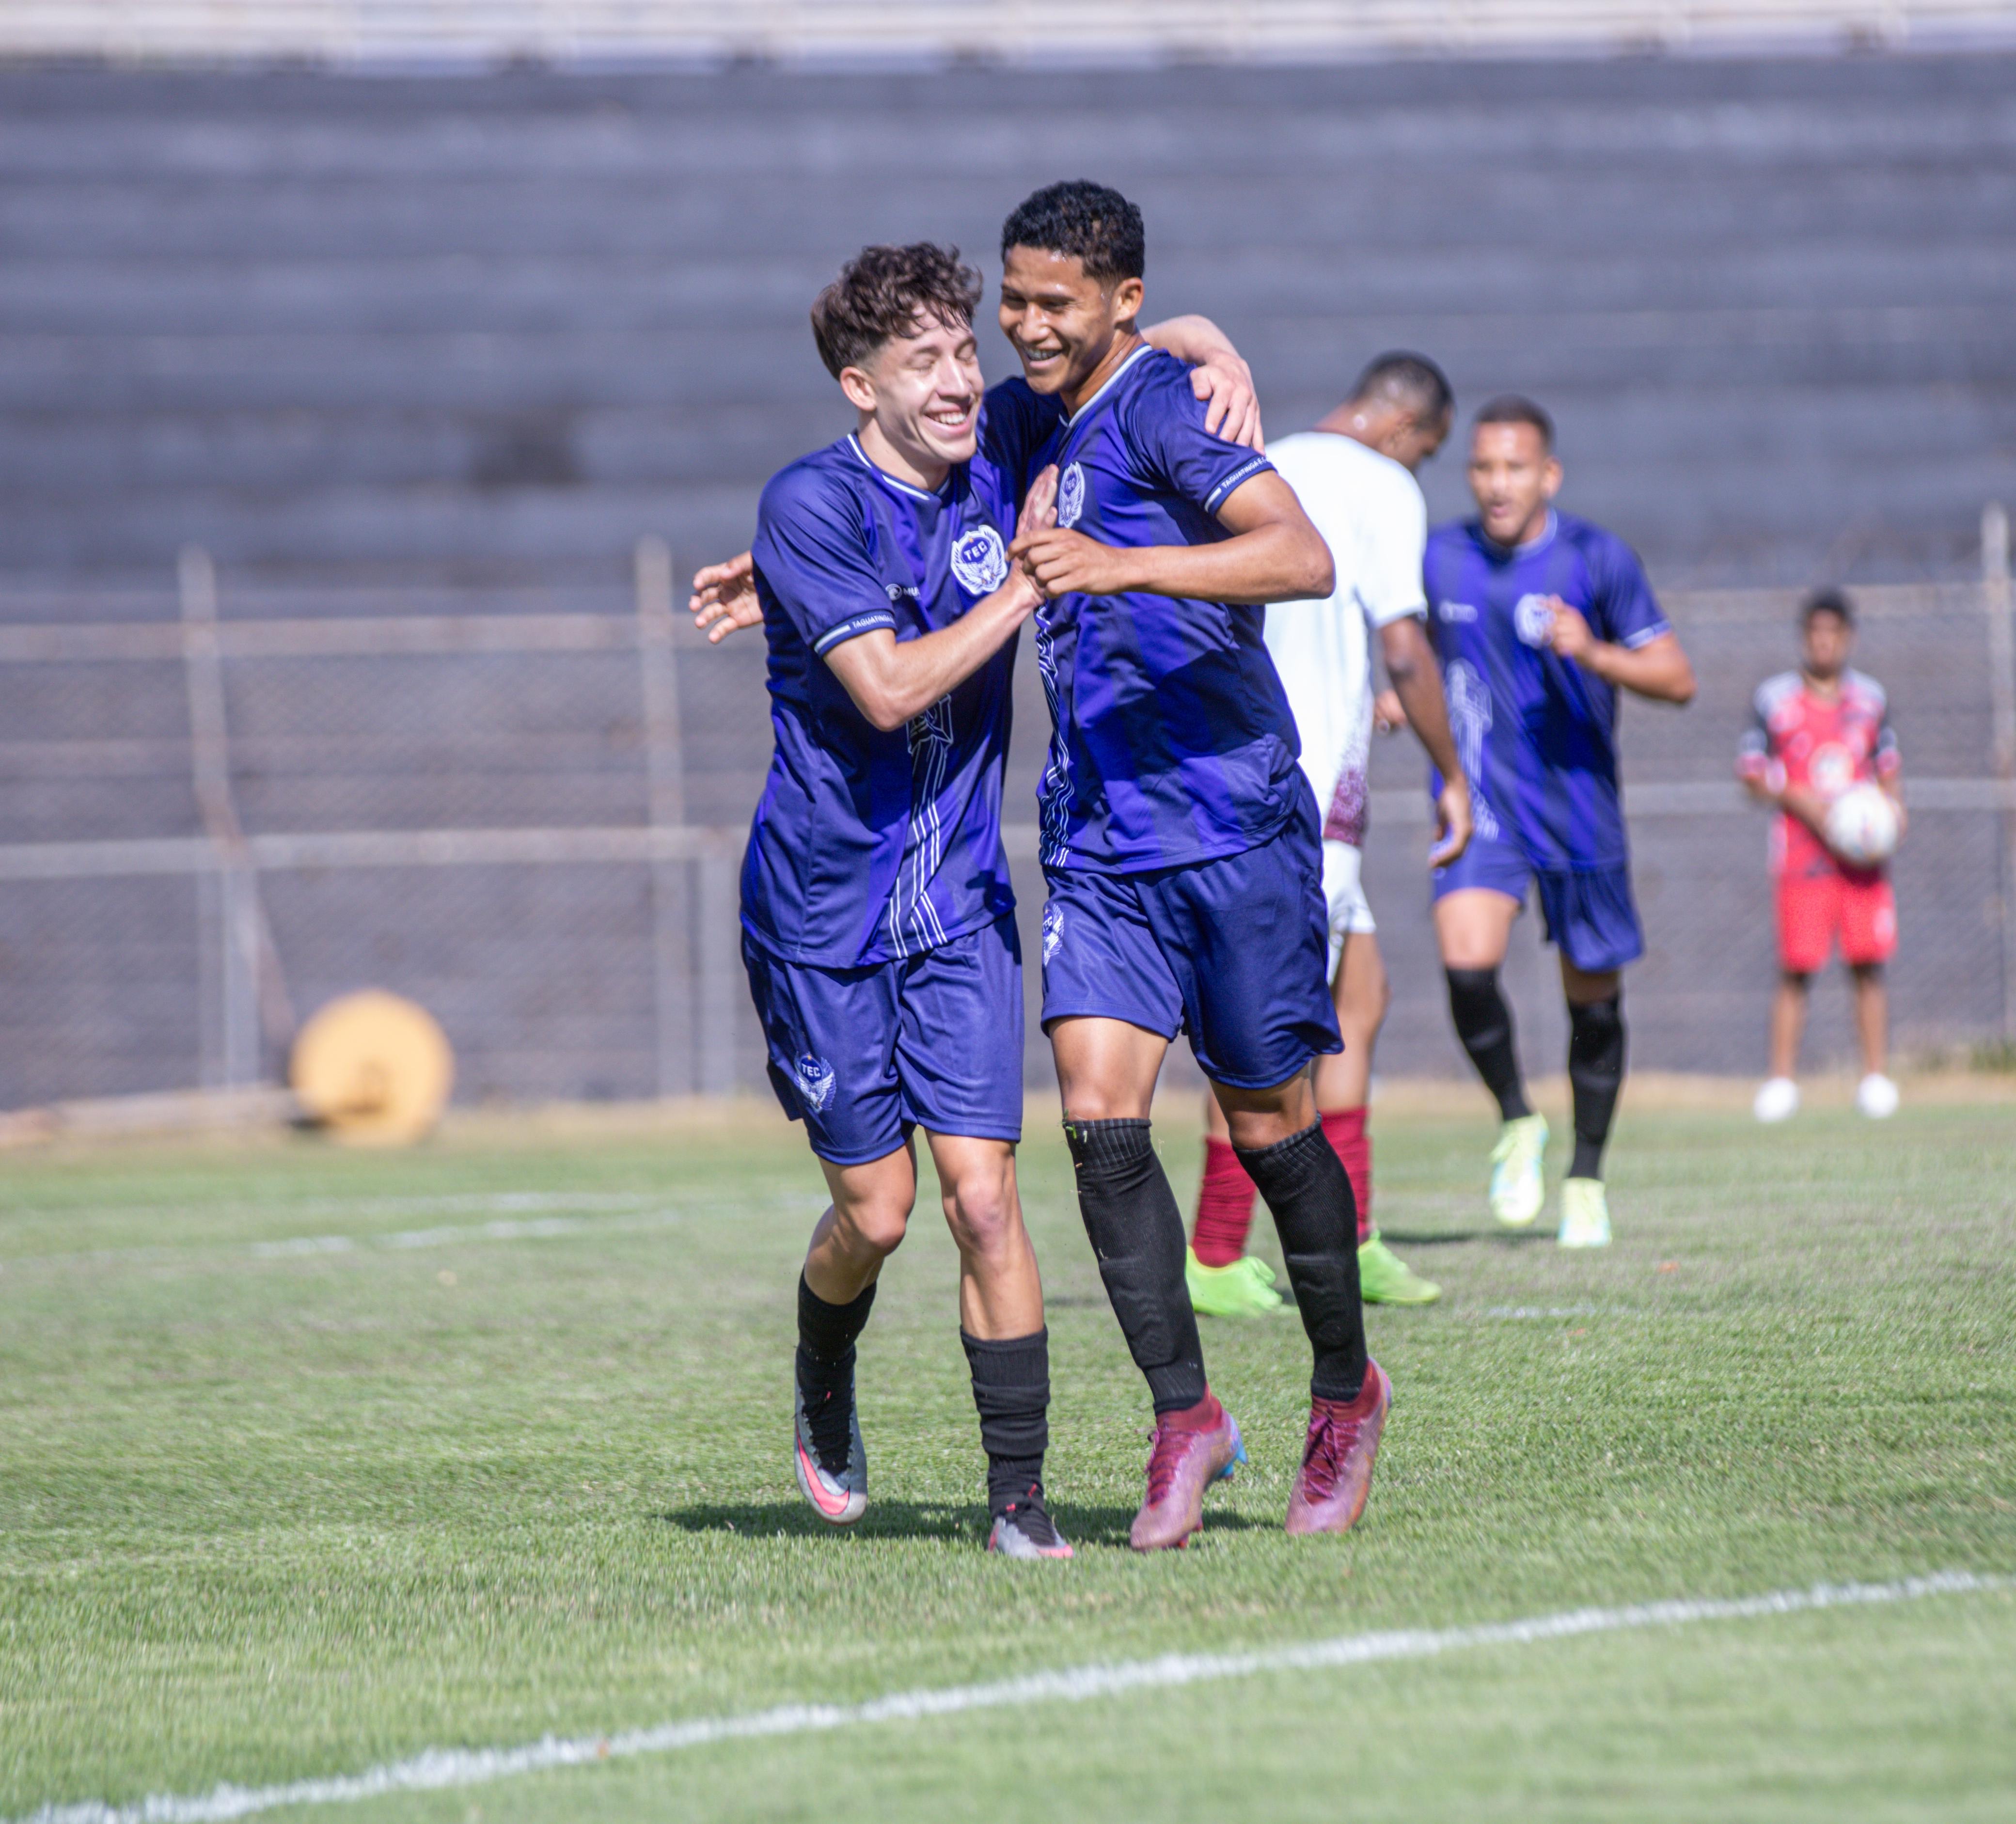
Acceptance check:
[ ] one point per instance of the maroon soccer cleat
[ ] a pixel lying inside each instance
(1336, 1475)
(1193, 1450)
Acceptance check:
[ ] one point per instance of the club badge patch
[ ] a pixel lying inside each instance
(1532, 619)
(815, 1078)
(1071, 496)
(980, 561)
(1053, 929)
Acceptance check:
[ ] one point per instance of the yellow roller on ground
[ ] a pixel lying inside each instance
(373, 1069)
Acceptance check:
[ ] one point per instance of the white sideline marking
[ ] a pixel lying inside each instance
(632, 1214)
(434, 1768)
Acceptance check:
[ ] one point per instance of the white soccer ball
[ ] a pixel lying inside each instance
(1861, 826)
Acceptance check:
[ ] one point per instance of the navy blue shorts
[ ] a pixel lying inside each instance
(1589, 912)
(861, 1055)
(1235, 951)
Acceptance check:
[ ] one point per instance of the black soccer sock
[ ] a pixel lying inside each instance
(827, 1341)
(1305, 1185)
(1483, 1024)
(1596, 1073)
(1011, 1388)
(1136, 1232)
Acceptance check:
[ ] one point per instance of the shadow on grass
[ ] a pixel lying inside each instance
(1459, 1237)
(913, 1520)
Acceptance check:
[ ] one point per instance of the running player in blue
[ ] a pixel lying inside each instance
(878, 931)
(1540, 618)
(878, 926)
(1180, 844)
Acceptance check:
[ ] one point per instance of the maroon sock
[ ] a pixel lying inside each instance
(1224, 1205)
(1345, 1129)
(1201, 1417)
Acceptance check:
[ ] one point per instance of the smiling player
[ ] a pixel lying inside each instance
(1540, 618)
(878, 926)
(1180, 842)
(877, 855)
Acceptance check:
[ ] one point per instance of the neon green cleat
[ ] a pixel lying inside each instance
(1245, 1289)
(1584, 1213)
(1384, 1279)
(1518, 1183)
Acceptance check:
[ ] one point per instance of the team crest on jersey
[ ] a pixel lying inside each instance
(1831, 770)
(980, 561)
(1532, 619)
(1071, 496)
(816, 1081)
(1053, 929)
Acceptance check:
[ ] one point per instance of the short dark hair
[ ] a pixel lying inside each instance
(1412, 379)
(1517, 409)
(1097, 225)
(882, 292)
(1828, 601)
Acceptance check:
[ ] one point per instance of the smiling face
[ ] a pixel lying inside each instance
(1062, 323)
(1514, 477)
(919, 397)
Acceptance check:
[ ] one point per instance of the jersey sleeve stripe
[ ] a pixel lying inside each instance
(853, 626)
(1237, 479)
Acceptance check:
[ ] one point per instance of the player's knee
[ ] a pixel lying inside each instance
(982, 1210)
(873, 1225)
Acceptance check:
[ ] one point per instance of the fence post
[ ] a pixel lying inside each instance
(720, 945)
(664, 759)
(1995, 602)
(231, 1044)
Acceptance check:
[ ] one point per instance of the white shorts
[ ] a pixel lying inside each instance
(1345, 896)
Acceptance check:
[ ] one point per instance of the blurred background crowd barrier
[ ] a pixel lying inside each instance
(359, 431)
(1130, 29)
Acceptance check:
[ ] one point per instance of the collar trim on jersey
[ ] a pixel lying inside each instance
(1539, 542)
(1106, 385)
(882, 474)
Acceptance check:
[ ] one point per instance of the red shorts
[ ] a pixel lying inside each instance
(1857, 907)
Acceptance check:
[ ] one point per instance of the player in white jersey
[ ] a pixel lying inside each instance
(1354, 475)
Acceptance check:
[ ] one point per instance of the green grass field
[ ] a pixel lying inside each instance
(310, 1461)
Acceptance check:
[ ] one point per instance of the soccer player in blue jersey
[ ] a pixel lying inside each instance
(1540, 618)
(1180, 844)
(878, 931)
(878, 925)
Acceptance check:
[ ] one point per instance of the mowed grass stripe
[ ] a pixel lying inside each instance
(435, 1769)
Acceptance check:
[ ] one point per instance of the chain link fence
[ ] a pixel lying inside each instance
(525, 809)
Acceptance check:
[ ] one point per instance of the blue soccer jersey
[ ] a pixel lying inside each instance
(870, 845)
(1536, 731)
(1173, 741)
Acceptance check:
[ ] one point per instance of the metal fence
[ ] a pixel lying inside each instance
(526, 810)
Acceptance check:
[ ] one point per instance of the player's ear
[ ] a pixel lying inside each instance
(859, 387)
(1551, 478)
(1126, 296)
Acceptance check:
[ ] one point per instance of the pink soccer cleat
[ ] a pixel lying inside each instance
(1193, 1450)
(1336, 1475)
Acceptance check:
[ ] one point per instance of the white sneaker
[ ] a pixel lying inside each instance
(1876, 1096)
(1778, 1101)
